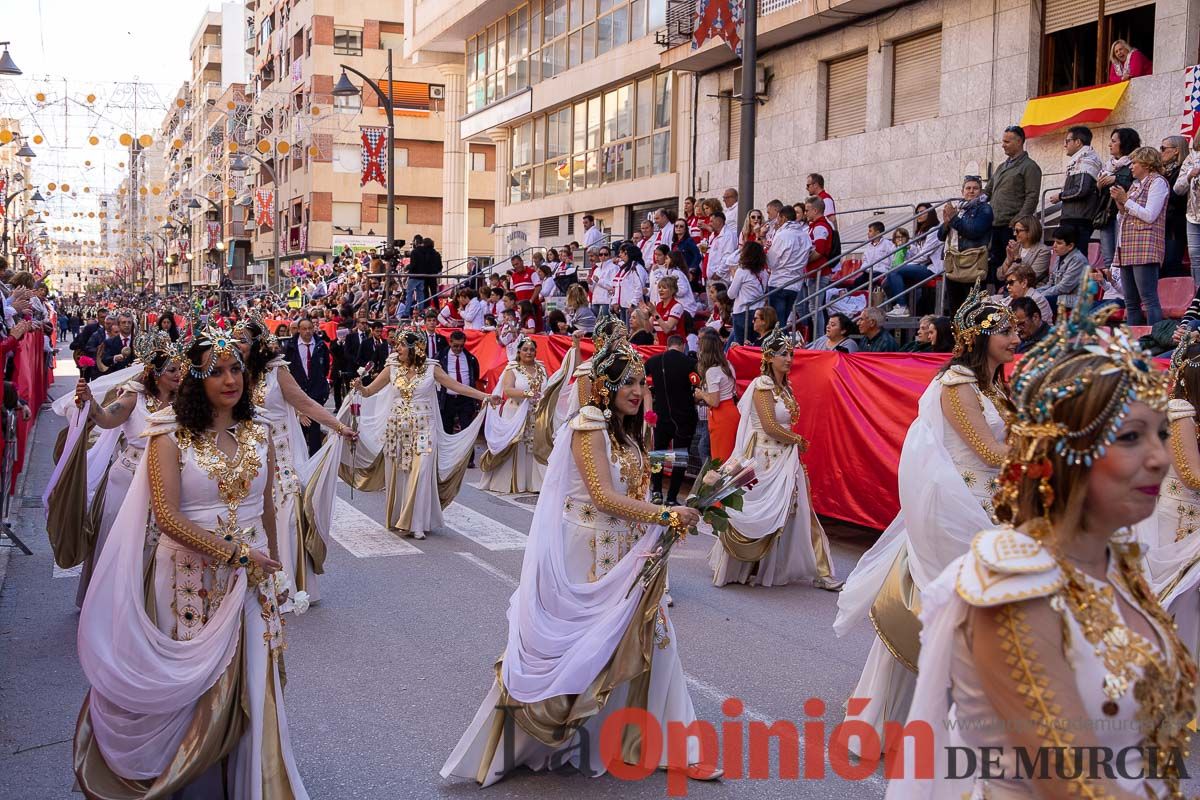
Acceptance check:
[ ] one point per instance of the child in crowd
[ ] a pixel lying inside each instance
(900, 241)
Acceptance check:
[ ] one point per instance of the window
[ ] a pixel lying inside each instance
(478, 162)
(401, 156)
(347, 215)
(347, 158)
(400, 213)
(615, 136)
(348, 41)
(1076, 42)
(731, 108)
(846, 96)
(917, 77)
(349, 104)
(547, 37)
(391, 36)
(475, 217)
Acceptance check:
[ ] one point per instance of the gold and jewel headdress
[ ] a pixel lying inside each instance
(607, 328)
(605, 386)
(978, 315)
(221, 342)
(411, 336)
(775, 343)
(264, 335)
(1045, 378)
(522, 340)
(152, 344)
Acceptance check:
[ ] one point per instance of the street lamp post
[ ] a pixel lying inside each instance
(220, 246)
(169, 227)
(344, 88)
(238, 164)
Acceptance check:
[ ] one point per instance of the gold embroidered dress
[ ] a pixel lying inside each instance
(584, 640)
(776, 538)
(509, 465)
(187, 691)
(1118, 689)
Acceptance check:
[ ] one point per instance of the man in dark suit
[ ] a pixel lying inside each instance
(373, 352)
(309, 360)
(79, 345)
(118, 350)
(359, 336)
(435, 343)
(344, 369)
(669, 374)
(458, 410)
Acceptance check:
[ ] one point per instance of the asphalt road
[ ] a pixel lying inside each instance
(386, 672)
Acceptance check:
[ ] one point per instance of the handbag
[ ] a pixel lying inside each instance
(965, 266)
(1106, 211)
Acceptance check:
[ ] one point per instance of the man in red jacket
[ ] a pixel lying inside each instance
(820, 263)
(523, 280)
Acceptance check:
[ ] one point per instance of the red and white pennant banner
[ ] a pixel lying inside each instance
(374, 155)
(264, 200)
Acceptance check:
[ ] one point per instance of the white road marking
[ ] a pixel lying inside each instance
(363, 537)
(484, 531)
(73, 572)
(719, 697)
(495, 572)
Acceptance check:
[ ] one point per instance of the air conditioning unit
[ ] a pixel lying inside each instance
(760, 82)
(437, 91)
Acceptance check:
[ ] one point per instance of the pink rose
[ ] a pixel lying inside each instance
(651, 418)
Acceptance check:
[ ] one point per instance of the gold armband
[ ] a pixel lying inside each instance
(973, 439)
(610, 502)
(172, 523)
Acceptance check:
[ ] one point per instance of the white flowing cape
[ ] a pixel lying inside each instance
(452, 449)
(560, 633)
(499, 431)
(938, 515)
(144, 683)
(100, 452)
(770, 501)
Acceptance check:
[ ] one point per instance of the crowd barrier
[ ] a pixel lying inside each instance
(854, 411)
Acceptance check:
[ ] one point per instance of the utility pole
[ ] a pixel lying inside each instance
(749, 109)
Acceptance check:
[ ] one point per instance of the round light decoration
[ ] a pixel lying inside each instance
(87, 163)
(156, 191)
(145, 140)
(6, 136)
(264, 146)
(125, 139)
(231, 105)
(177, 143)
(282, 148)
(313, 151)
(233, 146)
(316, 111)
(38, 138)
(91, 98)
(66, 188)
(52, 186)
(179, 102)
(40, 97)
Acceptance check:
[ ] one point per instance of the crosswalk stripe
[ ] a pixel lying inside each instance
(363, 537)
(484, 531)
(495, 572)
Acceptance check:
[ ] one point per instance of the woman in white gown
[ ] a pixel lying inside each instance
(1043, 642)
(305, 486)
(402, 446)
(585, 637)
(948, 465)
(776, 538)
(186, 696)
(508, 464)
(1171, 537)
(136, 401)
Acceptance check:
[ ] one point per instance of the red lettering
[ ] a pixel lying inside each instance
(760, 750)
(814, 740)
(612, 735)
(732, 757)
(678, 736)
(921, 734)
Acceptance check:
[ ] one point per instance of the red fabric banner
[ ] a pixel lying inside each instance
(32, 380)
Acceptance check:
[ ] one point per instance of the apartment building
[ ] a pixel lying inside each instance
(574, 94)
(17, 174)
(310, 141)
(896, 102)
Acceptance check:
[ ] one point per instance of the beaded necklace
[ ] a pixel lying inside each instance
(233, 475)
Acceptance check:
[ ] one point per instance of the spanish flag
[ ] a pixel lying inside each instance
(1054, 111)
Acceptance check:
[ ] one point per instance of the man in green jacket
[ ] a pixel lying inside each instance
(1013, 191)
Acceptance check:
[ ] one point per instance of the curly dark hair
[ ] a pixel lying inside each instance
(150, 377)
(411, 340)
(192, 409)
(260, 353)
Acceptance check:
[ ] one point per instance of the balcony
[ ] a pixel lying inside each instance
(779, 22)
(210, 56)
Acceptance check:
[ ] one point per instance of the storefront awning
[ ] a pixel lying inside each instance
(1054, 111)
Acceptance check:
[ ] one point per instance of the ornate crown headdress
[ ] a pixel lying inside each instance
(603, 385)
(524, 339)
(151, 344)
(411, 336)
(264, 335)
(222, 343)
(1039, 385)
(607, 328)
(978, 315)
(775, 343)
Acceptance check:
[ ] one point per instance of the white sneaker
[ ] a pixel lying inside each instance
(898, 311)
(418, 534)
(829, 584)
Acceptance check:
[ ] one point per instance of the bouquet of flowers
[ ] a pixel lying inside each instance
(718, 487)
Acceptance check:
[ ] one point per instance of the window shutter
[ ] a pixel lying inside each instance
(408, 94)
(917, 77)
(1117, 6)
(734, 134)
(548, 227)
(1063, 14)
(846, 97)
